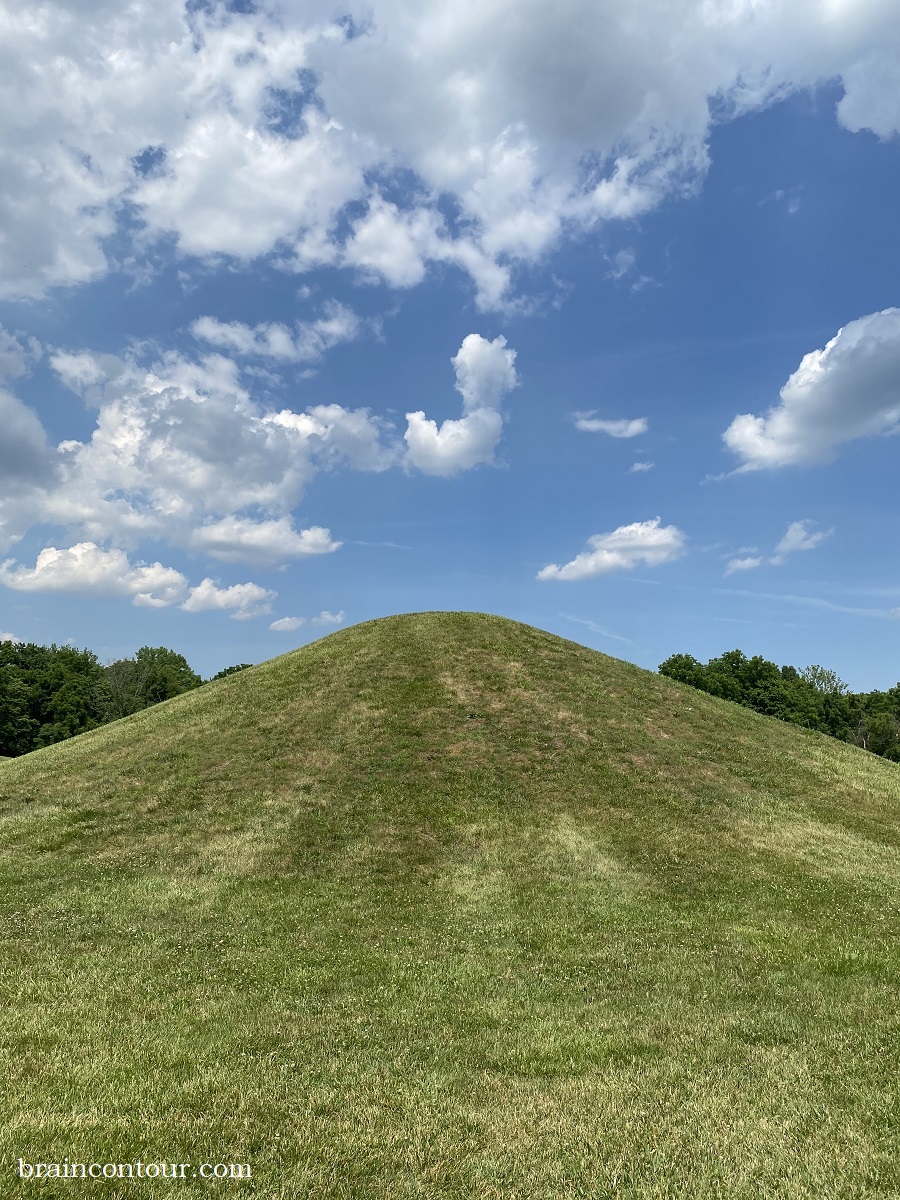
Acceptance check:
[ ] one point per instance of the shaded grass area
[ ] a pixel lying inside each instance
(445, 906)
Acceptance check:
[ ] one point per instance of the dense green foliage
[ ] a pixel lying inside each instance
(47, 694)
(231, 670)
(814, 697)
(51, 693)
(445, 907)
(153, 675)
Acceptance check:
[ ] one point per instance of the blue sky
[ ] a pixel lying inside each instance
(575, 313)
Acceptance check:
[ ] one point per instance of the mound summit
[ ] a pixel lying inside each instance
(443, 905)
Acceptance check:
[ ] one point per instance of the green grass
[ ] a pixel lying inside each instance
(443, 906)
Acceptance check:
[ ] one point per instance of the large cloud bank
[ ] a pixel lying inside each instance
(283, 130)
(182, 453)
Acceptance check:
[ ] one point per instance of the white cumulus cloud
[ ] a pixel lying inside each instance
(287, 624)
(92, 570)
(395, 246)
(241, 600)
(485, 373)
(240, 539)
(270, 131)
(453, 446)
(87, 568)
(644, 542)
(848, 390)
(329, 618)
(335, 434)
(307, 342)
(748, 562)
(183, 453)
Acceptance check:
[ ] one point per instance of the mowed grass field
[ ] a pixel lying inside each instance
(443, 906)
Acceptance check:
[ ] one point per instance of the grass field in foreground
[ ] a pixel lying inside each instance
(445, 906)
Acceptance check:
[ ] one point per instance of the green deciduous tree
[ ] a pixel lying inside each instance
(230, 670)
(168, 673)
(824, 680)
(61, 689)
(124, 688)
(815, 697)
(16, 727)
(154, 674)
(50, 693)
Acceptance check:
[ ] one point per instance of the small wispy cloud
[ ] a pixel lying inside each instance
(620, 428)
(595, 628)
(384, 545)
(788, 198)
(879, 614)
(637, 467)
(305, 342)
(623, 266)
(798, 537)
(289, 624)
(750, 563)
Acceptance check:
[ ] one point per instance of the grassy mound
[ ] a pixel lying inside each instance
(445, 906)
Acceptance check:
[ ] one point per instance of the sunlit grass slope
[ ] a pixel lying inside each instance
(445, 906)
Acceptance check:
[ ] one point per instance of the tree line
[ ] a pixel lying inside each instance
(50, 693)
(813, 697)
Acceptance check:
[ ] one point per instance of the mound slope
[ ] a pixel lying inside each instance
(445, 905)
